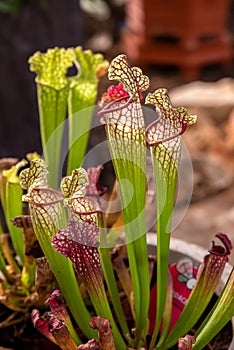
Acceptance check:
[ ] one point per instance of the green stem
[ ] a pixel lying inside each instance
(166, 178)
(46, 221)
(3, 268)
(52, 92)
(108, 271)
(208, 279)
(112, 287)
(221, 313)
(7, 252)
(14, 208)
(81, 100)
(52, 111)
(132, 198)
(80, 113)
(102, 308)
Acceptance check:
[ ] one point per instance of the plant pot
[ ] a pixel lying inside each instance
(188, 34)
(180, 248)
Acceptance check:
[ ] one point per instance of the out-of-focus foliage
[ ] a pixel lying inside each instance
(10, 6)
(13, 7)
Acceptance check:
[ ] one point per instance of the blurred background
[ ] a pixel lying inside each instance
(183, 45)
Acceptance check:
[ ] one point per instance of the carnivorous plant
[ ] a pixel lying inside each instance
(103, 274)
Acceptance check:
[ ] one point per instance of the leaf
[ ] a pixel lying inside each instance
(52, 91)
(75, 184)
(48, 215)
(34, 176)
(127, 143)
(54, 329)
(132, 78)
(221, 313)
(92, 344)
(163, 136)
(91, 66)
(14, 207)
(29, 238)
(104, 332)
(93, 188)
(187, 342)
(81, 100)
(78, 241)
(83, 209)
(171, 123)
(51, 67)
(12, 173)
(207, 281)
(59, 310)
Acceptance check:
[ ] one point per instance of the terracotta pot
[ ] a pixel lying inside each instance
(184, 33)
